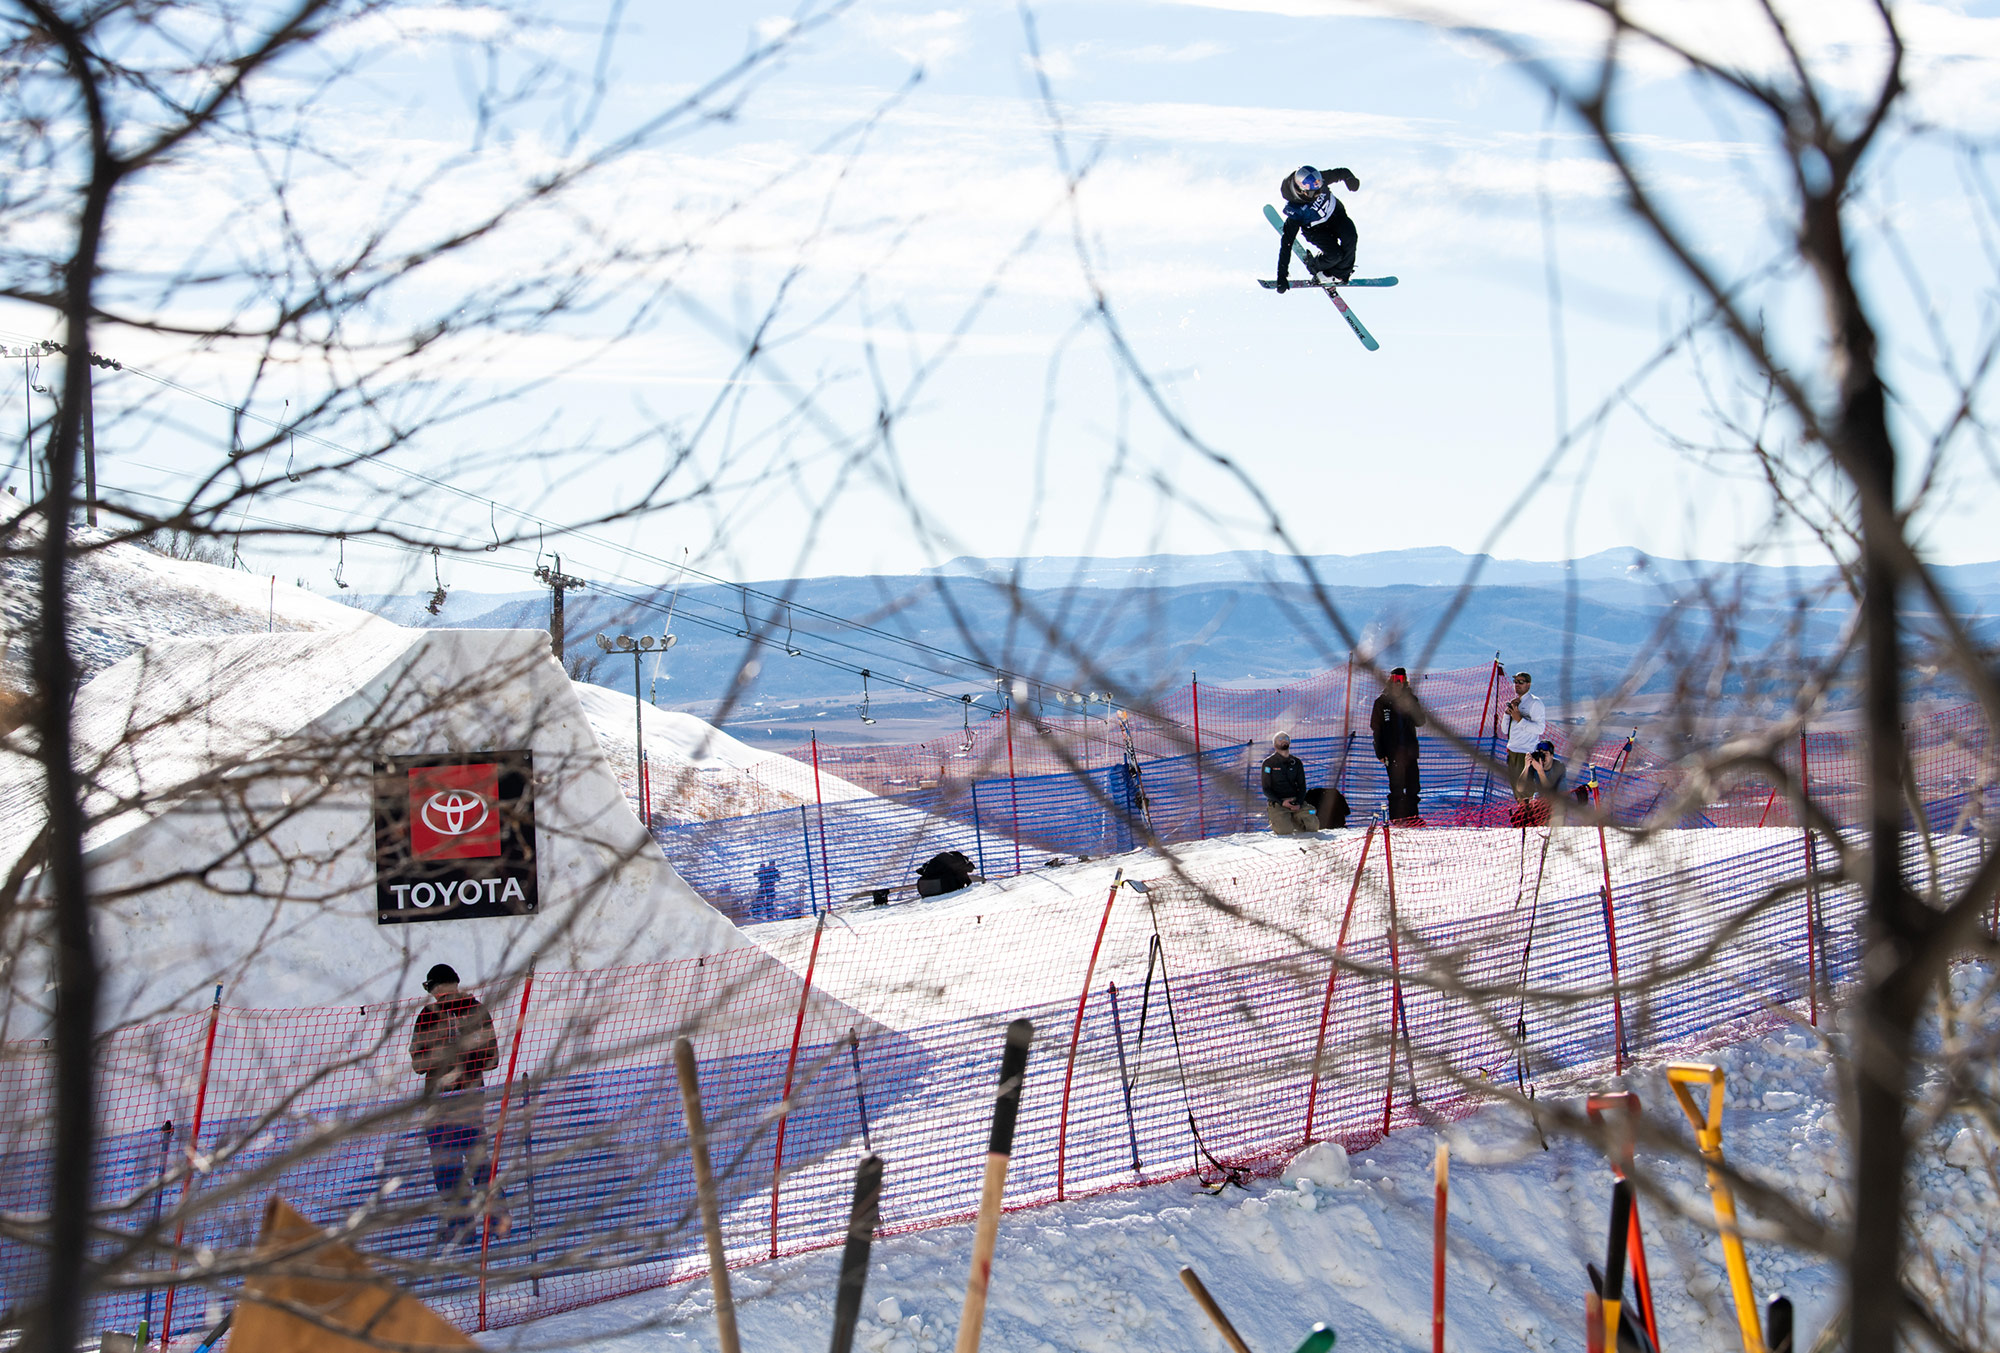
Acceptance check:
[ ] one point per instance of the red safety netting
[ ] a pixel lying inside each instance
(1213, 1023)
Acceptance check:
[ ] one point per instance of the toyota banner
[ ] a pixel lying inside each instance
(454, 836)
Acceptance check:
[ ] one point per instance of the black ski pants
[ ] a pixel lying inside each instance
(1404, 783)
(1335, 237)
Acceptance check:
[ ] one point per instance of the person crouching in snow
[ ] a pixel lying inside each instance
(1311, 209)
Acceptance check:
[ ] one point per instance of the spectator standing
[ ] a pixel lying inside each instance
(452, 1047)
(1395, 720)
(1285, 790)
(1527, 724)
(765, 907)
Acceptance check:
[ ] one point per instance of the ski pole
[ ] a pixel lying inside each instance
(704, 1184)
(1707, 1124)
(1192, 1281)
(999, 1150)
(1124, 1077)
(159, 1196)
(1614, 1260)
(861, 1222)
(1441, 1173)
(860, 1098)
(1621, 1168)
(212, 1338)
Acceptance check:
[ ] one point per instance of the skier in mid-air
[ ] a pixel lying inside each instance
(1312, 209)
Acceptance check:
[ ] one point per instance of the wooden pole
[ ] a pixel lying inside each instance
(704, 1184)
(1193, 1283)
(999, 1148)
(1441, 1175)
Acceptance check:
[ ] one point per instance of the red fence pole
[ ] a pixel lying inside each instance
(499, 1139)
(1326, 1003)
(1200, 789)
(1812, 886)
(1472, 767)
(1397, 1019)
(194, 1144)
(1611, 945)
(791, 1063)
(1013, 796)
(1076, 1033)
(819, 805)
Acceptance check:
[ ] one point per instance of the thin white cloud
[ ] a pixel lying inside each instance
(419, 26)
(928, 39)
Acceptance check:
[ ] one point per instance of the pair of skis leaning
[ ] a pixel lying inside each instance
(1353, 321)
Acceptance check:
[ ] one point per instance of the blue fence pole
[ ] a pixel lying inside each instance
(805, 829)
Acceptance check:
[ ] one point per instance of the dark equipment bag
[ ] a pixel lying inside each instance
(945, 872)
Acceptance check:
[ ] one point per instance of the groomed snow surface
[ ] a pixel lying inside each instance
(1348, 1241)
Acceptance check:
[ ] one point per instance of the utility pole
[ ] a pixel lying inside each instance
(89, 423)
(558, 583)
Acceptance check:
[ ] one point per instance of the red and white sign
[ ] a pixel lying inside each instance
(455, 812)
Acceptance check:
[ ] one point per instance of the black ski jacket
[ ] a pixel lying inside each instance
(1284, 778)
(1304, 210)
(1395, 720)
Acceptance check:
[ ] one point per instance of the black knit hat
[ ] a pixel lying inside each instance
(440, 974)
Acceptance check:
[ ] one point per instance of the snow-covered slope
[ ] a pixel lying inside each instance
(1349, 1242)
(234, 836)
(124, 597)
(699, 772)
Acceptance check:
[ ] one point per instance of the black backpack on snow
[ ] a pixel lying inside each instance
(945, 872)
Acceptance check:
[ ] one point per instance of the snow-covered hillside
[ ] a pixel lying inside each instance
(124, 597)
(1349, 1242)
(699, 772)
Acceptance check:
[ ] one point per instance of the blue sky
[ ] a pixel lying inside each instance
(944, 244)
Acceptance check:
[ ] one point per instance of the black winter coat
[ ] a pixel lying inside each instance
(1284, 778)
(1395, 720)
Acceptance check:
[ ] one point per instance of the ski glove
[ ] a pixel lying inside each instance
(1353, 184)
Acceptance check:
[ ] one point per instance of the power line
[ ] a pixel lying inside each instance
(994, 671)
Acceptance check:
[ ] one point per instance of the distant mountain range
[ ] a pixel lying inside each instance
(1144, 623)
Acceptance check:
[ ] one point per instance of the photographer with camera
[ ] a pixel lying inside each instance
(1527, 723)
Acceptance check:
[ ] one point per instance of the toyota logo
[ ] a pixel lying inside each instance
(454, 812)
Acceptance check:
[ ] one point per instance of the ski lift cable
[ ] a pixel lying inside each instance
(471, 551)
(630, 551)
(477, 559)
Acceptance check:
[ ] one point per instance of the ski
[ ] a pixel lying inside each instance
(1353, 320)
(1271, 283)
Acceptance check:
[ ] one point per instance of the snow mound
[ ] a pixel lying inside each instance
(1323, 1165)
(700, 773)
(124, 597)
